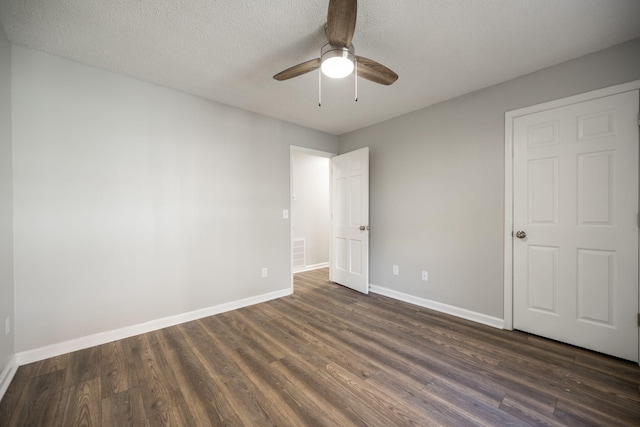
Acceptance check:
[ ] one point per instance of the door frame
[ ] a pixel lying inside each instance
(313, 152)
(510, 116)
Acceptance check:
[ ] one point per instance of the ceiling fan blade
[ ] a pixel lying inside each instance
(298, 70)
(341, 22)
(374, 71)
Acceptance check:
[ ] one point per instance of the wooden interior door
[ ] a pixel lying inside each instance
(350, 220)
(575, 249)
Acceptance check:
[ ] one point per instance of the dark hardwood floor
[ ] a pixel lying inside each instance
(326, 356)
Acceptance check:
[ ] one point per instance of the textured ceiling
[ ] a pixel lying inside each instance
(228, 50)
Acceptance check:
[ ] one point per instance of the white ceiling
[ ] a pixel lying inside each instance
(228, 50)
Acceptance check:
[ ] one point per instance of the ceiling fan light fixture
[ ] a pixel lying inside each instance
(337, 62)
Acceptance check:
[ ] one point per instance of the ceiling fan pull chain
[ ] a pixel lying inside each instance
(355, 63)
(319, 88)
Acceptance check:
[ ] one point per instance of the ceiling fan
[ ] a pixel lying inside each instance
(337, 57)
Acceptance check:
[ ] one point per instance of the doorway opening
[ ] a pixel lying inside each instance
(310, 207)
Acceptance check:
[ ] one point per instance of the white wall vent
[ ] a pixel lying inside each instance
(299, 254)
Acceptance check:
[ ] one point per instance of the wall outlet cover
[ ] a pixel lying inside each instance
(425, 276)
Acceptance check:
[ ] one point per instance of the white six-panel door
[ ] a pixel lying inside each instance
(350, 220)
(575, 193)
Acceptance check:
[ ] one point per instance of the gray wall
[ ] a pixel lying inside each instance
(437, 182)
(134, 202)
(6, 205)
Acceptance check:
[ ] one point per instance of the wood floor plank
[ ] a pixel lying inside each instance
(430, 412)
(320, 343)
(442, 362)
(233, 384)
(198, 388)
(124, 409)
(286, 395)
(39, 401)
(268, 391)
(53, 364)
(327, 356)
(433, 362)
(356, 408)
(393, 407)
(367, 348)
(156, 382)
(13, 395)
(246, 335)
(527, 415)
(609, 366)
(492, 340)
(292, 344)
(473, 409)
(405, 336)
(577, 414)
(118, 368)
(83, 365)
(80, 405)
(317, 401)
(173, 417)
(289, 392)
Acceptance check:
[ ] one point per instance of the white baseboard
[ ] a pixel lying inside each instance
(311, 267)
(100, 338)
(438, 306)
(7, 375)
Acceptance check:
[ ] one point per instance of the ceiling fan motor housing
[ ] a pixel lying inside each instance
(337, 61)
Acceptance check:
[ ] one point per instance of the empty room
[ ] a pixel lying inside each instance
(321, 212)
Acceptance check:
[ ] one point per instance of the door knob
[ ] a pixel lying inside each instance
(362, 228)
(521, 234)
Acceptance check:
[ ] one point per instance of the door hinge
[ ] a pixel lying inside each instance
(638, 119)
(639, 320)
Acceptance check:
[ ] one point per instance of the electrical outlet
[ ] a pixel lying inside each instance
(265, 272)
(7, 325)
(425, 276)
(396, 270)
